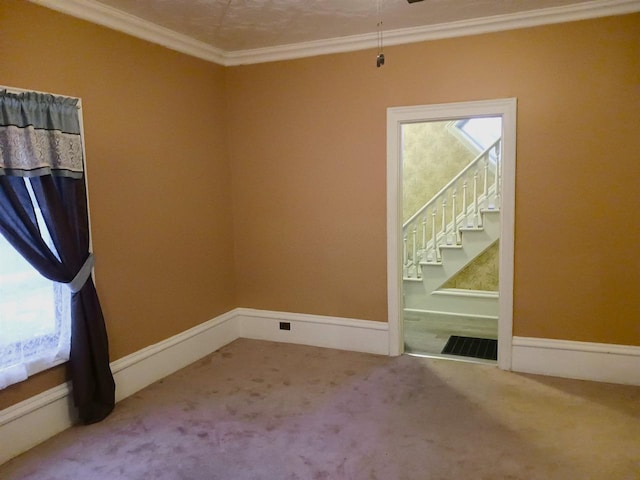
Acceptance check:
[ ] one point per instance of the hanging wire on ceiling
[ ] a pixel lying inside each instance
(380, 57)
(218, 25)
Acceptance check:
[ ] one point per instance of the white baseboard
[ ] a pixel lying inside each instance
(28, 423)
(38, 418)
(581, 360)
(140, 369)
(320, 331)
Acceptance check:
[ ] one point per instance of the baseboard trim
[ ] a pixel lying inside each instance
(140, 369)
(316, 330)
(42, 416)
(38, 418)
(35, 420)
(580, 360)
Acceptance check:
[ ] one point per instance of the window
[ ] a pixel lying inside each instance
(35, 320)
(41, 141)
(481, 131)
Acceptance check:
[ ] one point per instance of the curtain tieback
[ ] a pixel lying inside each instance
(82, 276)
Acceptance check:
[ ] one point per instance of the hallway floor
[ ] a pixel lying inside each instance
(427, 333)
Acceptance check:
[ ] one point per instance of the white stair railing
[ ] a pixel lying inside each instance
(483, 174)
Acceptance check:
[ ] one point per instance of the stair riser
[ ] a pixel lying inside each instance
(474, 242)
(424, 294)
(416, 297)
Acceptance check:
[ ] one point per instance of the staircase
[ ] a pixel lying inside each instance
(447, 233)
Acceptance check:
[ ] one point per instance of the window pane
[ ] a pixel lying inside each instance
(27, 305)
(34, 315)
(482, 131)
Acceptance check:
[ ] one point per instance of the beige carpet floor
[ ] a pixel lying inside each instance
(260, 410)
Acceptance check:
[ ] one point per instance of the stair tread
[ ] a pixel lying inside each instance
(453, 246)
(431, 264)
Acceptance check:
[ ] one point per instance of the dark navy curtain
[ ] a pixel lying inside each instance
(40, 141)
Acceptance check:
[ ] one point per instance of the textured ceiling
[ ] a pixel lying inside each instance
(236, 25)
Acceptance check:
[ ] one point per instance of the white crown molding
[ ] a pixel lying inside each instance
(546, 16)
(114, 19)
(96, 12)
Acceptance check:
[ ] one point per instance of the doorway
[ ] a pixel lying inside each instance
(420, 241)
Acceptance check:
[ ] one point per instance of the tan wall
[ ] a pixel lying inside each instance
(309, 184)
(307, 141)
(159, 181)
(308, 166)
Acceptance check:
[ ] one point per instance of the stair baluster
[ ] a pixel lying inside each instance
(465, 210)
(413, 269)
(454, 219)
(405, 256)
(425, 247)
(434, 244)
(476, 211)
(423, 251)
(443, 233)
(485, 181)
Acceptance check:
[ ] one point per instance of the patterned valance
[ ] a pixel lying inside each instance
(39, 135)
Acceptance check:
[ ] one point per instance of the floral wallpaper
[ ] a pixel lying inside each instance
(431, 156)
(480, 274)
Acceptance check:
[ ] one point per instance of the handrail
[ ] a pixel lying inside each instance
(450, 184)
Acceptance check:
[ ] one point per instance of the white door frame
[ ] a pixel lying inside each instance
(396, 116)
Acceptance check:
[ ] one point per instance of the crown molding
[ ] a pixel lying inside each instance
(533, 18)
(114, 19)
(98, 13)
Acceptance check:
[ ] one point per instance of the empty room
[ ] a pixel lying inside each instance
(303, 239)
